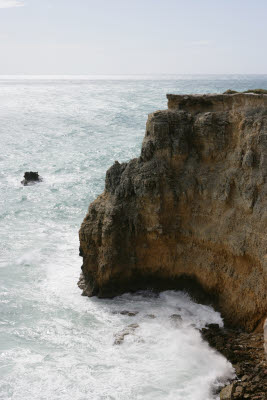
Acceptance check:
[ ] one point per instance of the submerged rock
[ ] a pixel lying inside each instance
(30, 178)
(129, 313)
(126, 312)
(176, 318)
(119, 337)
(151, 316)
(190, 212)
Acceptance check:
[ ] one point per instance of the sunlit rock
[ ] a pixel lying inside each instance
(191, 211)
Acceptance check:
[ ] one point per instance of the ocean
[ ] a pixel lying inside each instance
(54, 343)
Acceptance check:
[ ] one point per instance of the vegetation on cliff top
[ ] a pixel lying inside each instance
(255, 91)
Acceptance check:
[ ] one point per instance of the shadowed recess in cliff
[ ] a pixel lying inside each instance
(193, 206)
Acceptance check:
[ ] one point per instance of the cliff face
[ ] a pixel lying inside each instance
(191, 211)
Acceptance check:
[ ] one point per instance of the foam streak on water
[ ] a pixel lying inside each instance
(54, 343)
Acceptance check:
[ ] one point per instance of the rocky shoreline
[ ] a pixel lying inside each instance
(190, 214)
(190, 211)
(246, 353)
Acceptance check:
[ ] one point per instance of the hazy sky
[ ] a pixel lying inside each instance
(133, 36)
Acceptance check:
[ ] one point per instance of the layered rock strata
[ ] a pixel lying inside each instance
(191, 211)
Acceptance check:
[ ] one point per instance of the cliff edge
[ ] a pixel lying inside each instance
(191, 211)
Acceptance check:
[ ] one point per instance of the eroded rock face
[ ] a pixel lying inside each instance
(191, 211)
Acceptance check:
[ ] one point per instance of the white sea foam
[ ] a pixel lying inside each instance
(54, 343)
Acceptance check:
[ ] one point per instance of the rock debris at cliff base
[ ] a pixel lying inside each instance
(246, 353)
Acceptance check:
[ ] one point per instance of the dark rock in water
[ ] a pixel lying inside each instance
(31, 177)
(129, 313)
(126, 312)
(214, 327)
(151, 316)
(176, 319)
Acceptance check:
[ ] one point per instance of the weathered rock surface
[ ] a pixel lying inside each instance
(226, 393)
(129, 330)
(246, 353)
(191, 211)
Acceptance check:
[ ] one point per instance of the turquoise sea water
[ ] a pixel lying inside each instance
(54, 343)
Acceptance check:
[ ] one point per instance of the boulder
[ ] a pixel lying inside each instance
(30, 178)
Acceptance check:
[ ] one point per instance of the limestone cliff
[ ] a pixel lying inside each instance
(191, 211)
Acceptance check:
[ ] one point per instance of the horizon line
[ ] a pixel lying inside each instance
(94, 75)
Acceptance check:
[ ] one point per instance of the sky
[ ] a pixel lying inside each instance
(133, 37)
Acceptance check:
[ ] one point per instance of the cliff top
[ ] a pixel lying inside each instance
(195, 103)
